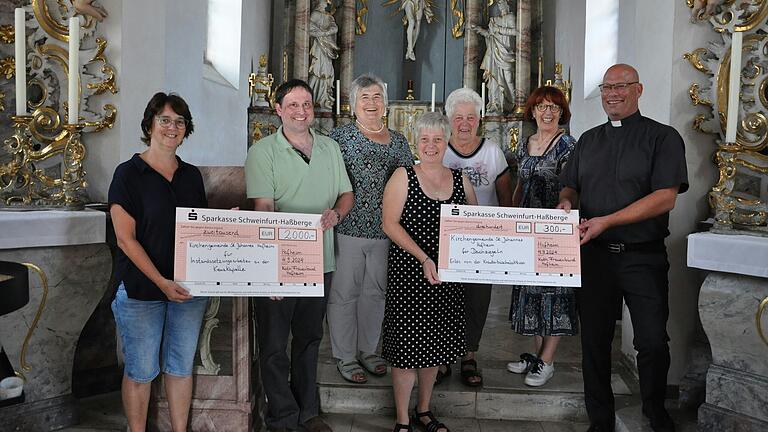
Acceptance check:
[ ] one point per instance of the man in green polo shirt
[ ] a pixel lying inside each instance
(296, 170)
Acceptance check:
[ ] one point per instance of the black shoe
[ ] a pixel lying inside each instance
(661, 421)
(598, 428)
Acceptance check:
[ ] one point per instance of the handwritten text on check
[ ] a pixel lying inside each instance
(512, 246)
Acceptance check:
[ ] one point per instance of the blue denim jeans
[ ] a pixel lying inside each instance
(145, 327)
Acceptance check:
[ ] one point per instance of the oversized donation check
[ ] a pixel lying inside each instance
(248, 253)
(510, 246)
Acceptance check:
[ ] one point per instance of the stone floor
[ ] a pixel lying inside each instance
(504, 403)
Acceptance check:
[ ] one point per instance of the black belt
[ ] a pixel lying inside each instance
(649, 246)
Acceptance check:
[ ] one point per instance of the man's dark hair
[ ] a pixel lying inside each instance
(286, 87)
(156, 105)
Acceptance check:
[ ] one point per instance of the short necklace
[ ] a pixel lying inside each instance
(370, 130)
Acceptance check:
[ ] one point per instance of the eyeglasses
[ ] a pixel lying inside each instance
(180, 123)
(619, 87)
(554, 109)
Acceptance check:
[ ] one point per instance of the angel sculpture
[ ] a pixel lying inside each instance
(86, 7)
(414, 10)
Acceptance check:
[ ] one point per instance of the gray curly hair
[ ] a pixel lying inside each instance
(365, 81)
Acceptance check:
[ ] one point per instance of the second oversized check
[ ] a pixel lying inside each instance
(248, 253)
(510, 246)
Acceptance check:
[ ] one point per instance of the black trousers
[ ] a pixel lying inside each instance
(640, 278)
(294, 401)
(477, 298)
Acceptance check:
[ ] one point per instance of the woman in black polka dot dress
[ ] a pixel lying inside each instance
(423, 318)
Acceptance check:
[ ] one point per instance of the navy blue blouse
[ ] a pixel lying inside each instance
(152, 200)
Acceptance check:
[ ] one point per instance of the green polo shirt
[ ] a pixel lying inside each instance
(274, 170)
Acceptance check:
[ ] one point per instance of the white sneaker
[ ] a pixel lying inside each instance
(540, 373)
(524, 365)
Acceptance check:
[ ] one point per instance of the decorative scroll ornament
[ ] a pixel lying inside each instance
(739, 199)
(457, 18)
(361, 16)
(41, 163)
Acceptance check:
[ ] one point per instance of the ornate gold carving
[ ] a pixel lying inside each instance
(361, 16)
(457, 19)
(52, 27)
(258, 130)
(46, 156)
(697, 124)
(2, 101)
(751, 18)
(693, 92)
(759, 319)
(43, 300)
(694, 58)
(8, 67)
(7, 34)
(514, 138)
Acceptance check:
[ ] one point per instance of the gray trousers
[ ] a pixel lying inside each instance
(290, 403)
(477, 298)
(356, 300)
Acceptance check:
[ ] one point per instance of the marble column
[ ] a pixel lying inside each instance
(523, 57)
(347, 68)
(301, 39)
(473, 10)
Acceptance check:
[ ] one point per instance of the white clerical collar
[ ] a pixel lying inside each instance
(616, 123)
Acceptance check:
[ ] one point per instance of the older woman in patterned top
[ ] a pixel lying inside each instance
(371, 153)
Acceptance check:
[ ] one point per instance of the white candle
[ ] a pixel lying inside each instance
(74, 69)
(501, 96)
(386, 92)
(734, 86)
(482, 96)
(21, 61)
(338, 97)
(433, 97)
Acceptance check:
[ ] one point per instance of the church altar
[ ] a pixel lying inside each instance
(731, 304)
(70, 266)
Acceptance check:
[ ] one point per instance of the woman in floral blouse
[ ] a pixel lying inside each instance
(371, 153)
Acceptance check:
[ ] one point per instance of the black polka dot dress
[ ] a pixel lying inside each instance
(423, 323)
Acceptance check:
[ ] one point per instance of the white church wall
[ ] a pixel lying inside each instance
(653, 35)
(157, 45)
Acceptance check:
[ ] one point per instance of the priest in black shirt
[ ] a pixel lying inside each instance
(625, 176)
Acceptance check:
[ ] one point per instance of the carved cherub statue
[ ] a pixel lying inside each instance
(703, 9)
(86, 7)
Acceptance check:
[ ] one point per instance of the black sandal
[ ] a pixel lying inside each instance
(402, 427)
(432, 426)
(442, 375)
(471, 372)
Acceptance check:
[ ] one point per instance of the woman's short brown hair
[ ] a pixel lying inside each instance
(552, 94)
(156, 105)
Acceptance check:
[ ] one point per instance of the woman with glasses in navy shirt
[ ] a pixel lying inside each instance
(157, 320)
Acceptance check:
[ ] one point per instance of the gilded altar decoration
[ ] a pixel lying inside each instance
(739, 199)
(41, 163)
(564, 85)
(361, 16)
(260, 84)
(457, 18)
